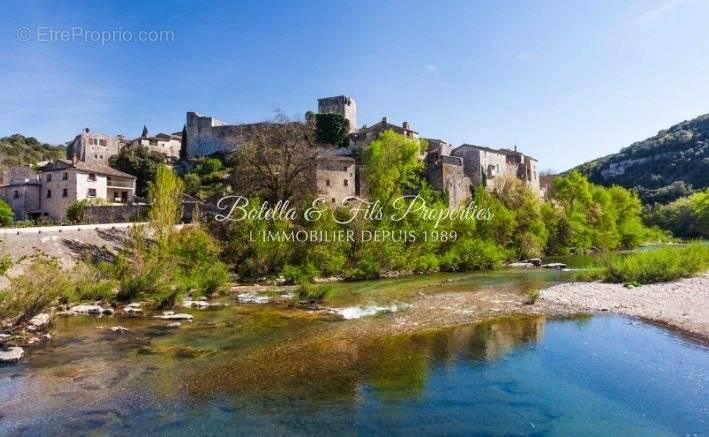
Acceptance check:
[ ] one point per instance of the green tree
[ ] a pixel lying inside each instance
(392, 165)
(165, 198)
(139, 162)
(332, 128)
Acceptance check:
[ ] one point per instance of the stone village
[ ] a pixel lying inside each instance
(48, 189)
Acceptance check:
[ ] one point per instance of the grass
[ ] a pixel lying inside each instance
(658, 265)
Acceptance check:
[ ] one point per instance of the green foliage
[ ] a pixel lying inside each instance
(139, 162)
(207, 177)
(32, 292)
(655, 265)
(332, 128)
(165, 198)
(587, 217)
(6, 214)
(75, 212)
(5, 264)
(392, 165)
(18, 150)
(314, 293)
(686, 217)
(661, 168)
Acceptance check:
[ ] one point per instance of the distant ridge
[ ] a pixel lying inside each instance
(673, 163)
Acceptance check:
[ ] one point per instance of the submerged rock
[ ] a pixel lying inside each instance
(174, 325)
(11, 355)
(119, 329)
(170, 315)
(358, 312)
(253, 298)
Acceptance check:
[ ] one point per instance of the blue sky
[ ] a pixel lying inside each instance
(565, 81)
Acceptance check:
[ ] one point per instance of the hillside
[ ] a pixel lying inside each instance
(18, 149)
(669, 165)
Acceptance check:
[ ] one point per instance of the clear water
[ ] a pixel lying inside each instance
(267, 370)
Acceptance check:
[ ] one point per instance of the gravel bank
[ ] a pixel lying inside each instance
(682, 304)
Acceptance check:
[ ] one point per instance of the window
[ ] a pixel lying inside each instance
(102, 142)
(344, 169)
(65, 176)
(327, 182)
(16, 195)
(91, 193)
(49, 194)
(92, 177)
(333, 200)
(100, 156)
(65, 192)
(49, 177)
(346, 182)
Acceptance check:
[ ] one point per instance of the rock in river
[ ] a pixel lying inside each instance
(554, 266)
(38, 322)
(11, 355)
(90, 309)
(169, 315)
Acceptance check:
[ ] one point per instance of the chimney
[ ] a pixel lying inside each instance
(86, 130)
(405, 125)
(73, 159)
(515, 147)
(385, 120)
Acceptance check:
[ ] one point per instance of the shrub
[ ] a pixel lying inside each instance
(314, 293)
(659, 265)
(656, 265)
(32, 292)
(6, 214)
(5, 264)
(75, 212)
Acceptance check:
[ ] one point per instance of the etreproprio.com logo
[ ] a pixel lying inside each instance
(100, 36)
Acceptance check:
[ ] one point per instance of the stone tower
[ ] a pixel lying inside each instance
(346, 106)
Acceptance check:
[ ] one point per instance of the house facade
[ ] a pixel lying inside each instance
(52, 190)
(486, 166)
(94, 147)
(167, 144)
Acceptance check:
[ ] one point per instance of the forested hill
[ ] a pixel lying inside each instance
(17, 149)
(669, 165)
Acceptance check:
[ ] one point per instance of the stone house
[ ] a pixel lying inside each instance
(485, 166)
(336, 178)
(52, 190)
(445, 173)
(93, 147)
(346, 106)
(367, 134)
(167, 144)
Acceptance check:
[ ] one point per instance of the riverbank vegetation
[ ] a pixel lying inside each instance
(579, 217)
(654, 265)
(158, 265)
(686, 217)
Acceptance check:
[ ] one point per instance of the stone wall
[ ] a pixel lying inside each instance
(207, 135)
(335, 179)
(114, 213)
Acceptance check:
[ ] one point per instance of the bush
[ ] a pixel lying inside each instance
(32, 292)
(6, 214)
(75, 212)
(314, 293)
(655, 265)
(659, 265)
